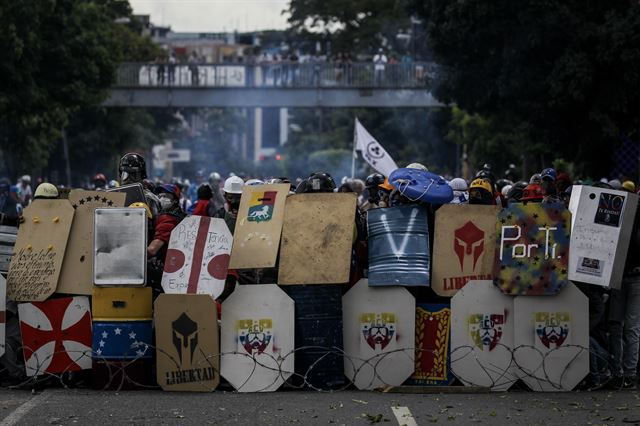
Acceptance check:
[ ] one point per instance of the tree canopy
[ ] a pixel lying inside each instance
(565, 74)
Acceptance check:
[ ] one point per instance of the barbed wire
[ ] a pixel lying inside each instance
(120, 375)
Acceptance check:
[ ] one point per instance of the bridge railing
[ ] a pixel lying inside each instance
(282, 75)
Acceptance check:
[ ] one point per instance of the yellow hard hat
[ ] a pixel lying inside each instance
(481, 184)
(140, 204)
(629, 186)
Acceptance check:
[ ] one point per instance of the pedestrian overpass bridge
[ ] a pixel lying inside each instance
(282, 84)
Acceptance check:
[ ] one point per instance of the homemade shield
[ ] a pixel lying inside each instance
(602, 223)
(482, 330)
(463, 246)
(319, 359)
(552, 340)
(317, 236)
(134, 193)
(121, 303)
(56, 335)
(256, 238)
(122, 340)
(197, 257)
(76, 276)
(120, 246)
(433, 325)
(532, 249)
(379, 335)
(257, 338)
(187, 347)
(398, 246)
(39, 250)
(7, 242)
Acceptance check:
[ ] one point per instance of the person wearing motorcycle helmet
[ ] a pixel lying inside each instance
(532, 193)
(372, 184)
(460, 191)
(316, 182)
(99, 182)
(481, 192)
(515, 193)
(232, 194)
(132, 168)
(501, 183)
(548, 185)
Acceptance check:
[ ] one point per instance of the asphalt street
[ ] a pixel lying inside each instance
(87, 407)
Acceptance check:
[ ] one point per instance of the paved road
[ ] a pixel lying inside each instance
(86, 407)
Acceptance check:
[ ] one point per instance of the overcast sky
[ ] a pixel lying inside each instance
(214, 15)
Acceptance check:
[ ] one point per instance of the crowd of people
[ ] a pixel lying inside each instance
(614, 315)
(293, 69)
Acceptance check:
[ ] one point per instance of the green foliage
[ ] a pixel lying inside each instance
(565, 73)
(59, 59)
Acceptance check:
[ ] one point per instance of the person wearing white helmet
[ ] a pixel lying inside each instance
(252, 182)
(460, 191)
(418, 166)
(232, 193)
(24, 185)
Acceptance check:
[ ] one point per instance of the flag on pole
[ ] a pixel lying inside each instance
(372, 151)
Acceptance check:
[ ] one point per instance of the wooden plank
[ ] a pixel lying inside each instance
(317, 237)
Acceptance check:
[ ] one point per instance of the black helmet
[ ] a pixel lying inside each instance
(316, 182)
(134, 166)
(501, 183)
(516, 191)
(373, 180)
(205, 192)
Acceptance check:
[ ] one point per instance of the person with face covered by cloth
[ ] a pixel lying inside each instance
(481, 192)
(170, 216)
(549, 189)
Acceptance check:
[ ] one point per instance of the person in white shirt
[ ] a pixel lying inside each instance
(379, 61)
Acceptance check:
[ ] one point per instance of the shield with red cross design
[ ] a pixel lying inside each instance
(56, 335)
(197, 257)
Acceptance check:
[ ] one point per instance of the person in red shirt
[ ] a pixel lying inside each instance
(170, 216)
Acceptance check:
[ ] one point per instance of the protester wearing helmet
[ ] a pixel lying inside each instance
(46, 191)
(133, 169)
(99, 181)
(516, 192)
(460, 191)
(481, 192)
(373, 191)
(532, 193)
(232, 194)
(549, 189)
(316, 182)
(24, 184)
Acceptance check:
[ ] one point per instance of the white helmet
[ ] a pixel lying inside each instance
(417, 166)
(506, 189)
(252, 182)
(26, 178)
(233, 185)
(458, 184)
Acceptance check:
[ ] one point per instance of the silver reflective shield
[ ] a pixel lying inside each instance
(120, 247)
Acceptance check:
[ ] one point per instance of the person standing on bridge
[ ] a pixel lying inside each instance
(379, 62)
(193, 69)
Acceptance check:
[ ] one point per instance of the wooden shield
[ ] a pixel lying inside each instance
(187, 346)
(552, 340)
(602, 222)
(317, 236)
(56, 335)
(197, 257)
(379, 335)
(256, 238)
(433, 325)
(532, 249)
(257, 338)
(463, 246)
(76, 276)
(39, 250)
(482, 336)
